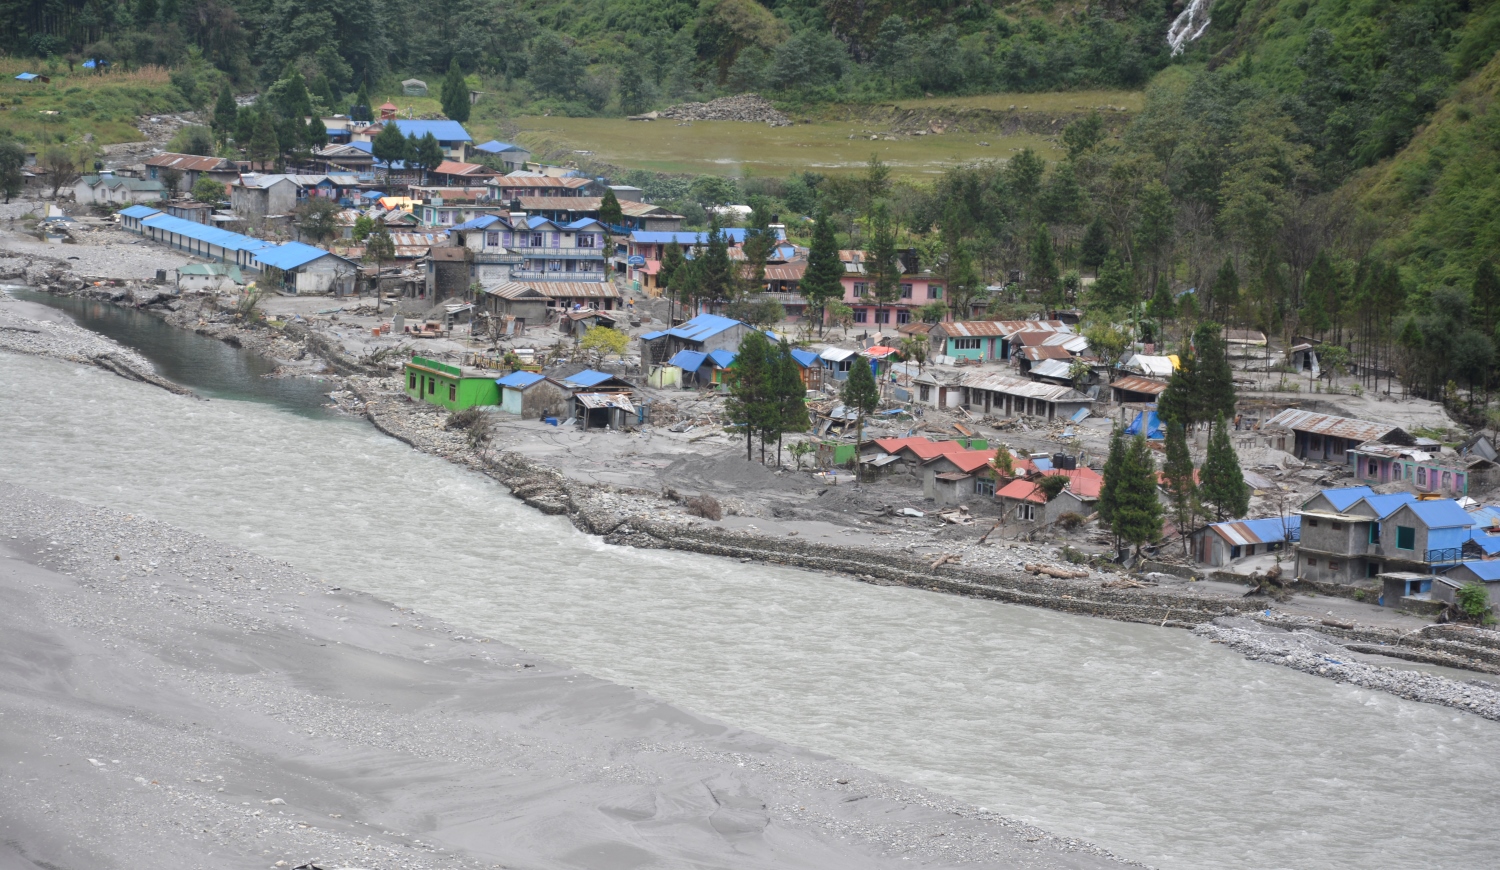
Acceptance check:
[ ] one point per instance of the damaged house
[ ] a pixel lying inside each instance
(1006, 396)
(1329, 438)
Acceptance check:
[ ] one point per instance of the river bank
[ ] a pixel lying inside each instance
(167, 695)
(881, 549)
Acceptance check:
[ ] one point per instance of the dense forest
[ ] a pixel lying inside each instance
(1317, 168)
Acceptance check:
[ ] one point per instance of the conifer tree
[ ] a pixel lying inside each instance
(862, 395)
(1114, 469)
(1225, 293)
(1181, 485)
(225, 114)
(1213, 387)
(1094, 248)
(791, 396)
(609, 209)
(1486, 294)
(389, 145)
(751, 401)
(821, 282)
(1224, 487)
(263, 143)
(455, 94)
(671, 262)
(1043, 272)
(882, 267)
(716, 272)
(360, 109)
(1137, 512)
(1178, 402)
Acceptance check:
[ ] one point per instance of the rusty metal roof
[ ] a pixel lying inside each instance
(1341, 427)
(1136, 384)
(1036, 354)
(1024, 388)
(574, 289)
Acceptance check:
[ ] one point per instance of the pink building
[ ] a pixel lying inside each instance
(917, 289)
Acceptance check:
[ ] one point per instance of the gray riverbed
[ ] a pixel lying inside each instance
(1153, 743)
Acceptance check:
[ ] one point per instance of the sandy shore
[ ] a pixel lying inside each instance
(163, 695)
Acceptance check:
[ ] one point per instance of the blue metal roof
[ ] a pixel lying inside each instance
(1487, 542)
(1441, 514)
(581, 224)
(1268, 531)
(291, 255)
(651, 336)
(1345, 496)
(443, 131)
(688, 360)
(703, 327)
(203, 233)
(139, 211)
(1042, 463)
(366, 147)
(588, 378)
(722, 358)
(1489, 572)
(654, 237)
(478, 223)
(371, 194)
(1385, 505)
(495, 146)
(519, 380)
(805, 358)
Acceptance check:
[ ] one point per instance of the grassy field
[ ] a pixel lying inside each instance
(1060, 102)
(72, 105)
(739, 149)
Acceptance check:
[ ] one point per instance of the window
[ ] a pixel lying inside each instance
(1312, 522)
(1335, 566)
(882, 316)
(1312, 563)
(966, 344)
(903, 316)
(1374, 533)
(411, 380)
(934, 291)
(859, 289)
(1026, 512)
(585, 240)
(535, 241)
(557, 240)
(453, 392)
(1338, 527)
(1406, 538)
(1374, 468)
(554, 265)
(905, 291)
(1338, 446)
(984, 486)
(1372, 569)
(505, 239)
(861, 315)
(431, 386)
(924, 393)
(1421, 476)
(492, 240)
(1447, 480)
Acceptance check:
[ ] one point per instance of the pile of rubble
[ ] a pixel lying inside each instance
(744, 107)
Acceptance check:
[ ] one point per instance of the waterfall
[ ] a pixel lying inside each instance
(1189, 25)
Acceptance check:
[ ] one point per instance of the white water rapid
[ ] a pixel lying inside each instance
(1152, 742)
(1189, 25)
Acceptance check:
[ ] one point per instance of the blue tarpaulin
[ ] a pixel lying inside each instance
(1154, 431)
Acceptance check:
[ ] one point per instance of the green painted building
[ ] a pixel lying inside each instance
(447, 385)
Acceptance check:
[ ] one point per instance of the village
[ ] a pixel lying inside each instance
(533, 295)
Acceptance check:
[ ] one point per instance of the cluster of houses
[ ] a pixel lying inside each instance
(596, 400)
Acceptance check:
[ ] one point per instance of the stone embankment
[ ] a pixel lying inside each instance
(1312, 652)
(744, 107)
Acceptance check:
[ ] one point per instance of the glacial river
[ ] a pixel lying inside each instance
(1153, 743)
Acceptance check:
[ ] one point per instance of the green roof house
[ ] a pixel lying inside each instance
(450, 386)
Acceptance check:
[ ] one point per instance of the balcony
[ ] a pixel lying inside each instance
(549, 275)
(548, 253)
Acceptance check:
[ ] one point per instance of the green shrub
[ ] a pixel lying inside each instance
(1473, 601)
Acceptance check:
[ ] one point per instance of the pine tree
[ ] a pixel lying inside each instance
(609, 209)
(1486, 293)
(1178, 402)
(426, 152)
(791, 396)
(687, 281)
(760, 241)
(455, 94)
(860, 394)
(716, 275)
(1043, 272)
(751, 389)
(389, 145)
(822, 281)
(1224, 486)
(1114, 470)
(263, 144)
(1094, 248)
(1137, 512)
(1181, 485)
(1213, 387)
(1225, 293)
(225, 114)
(360, 109)
(882, 267)
(671, 261)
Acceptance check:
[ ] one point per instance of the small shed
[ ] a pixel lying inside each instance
(531, 396)
(439, 383)
(603, 410)
(414, 87)
(1445, 587)
(209, 278)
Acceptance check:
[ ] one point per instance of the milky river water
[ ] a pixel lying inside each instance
(1151, 742)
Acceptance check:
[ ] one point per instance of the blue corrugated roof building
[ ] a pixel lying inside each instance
(291, 255)
(588, 378)
(204, 233)
(519, 380)
(479, 223)
(653, 237)
(1385, 505)
(139, 211)
(495, 146)
(688, 360)
(1441, 514)
(805, 358)
(1343, 497)
(722, 358)
(443, 131)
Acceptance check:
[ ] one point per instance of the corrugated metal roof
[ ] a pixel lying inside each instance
(512, 290)
(1382, 506)
(443, 131)
(538, 181)
(1265, 531)
(139, 211)
(190, 162)
(457, 167)
(520, 380)
(703, 327)
(1441, 514)
(1489, 572)
(688, 360)
(588, 378)
(1053, 368)
(1037, 354)
(1022, 490)
(837, 354)
(660, 237)
(204, 233)
(1329, 424)
(495, 146)
(805, 358)
(605, 400)
(722, 358)
(1136, 384)
(574, 289)
(1022, 387)
(291, 255)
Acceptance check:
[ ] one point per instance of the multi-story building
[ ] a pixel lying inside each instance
(917, 288)
(552, 251)
(1352, 535)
